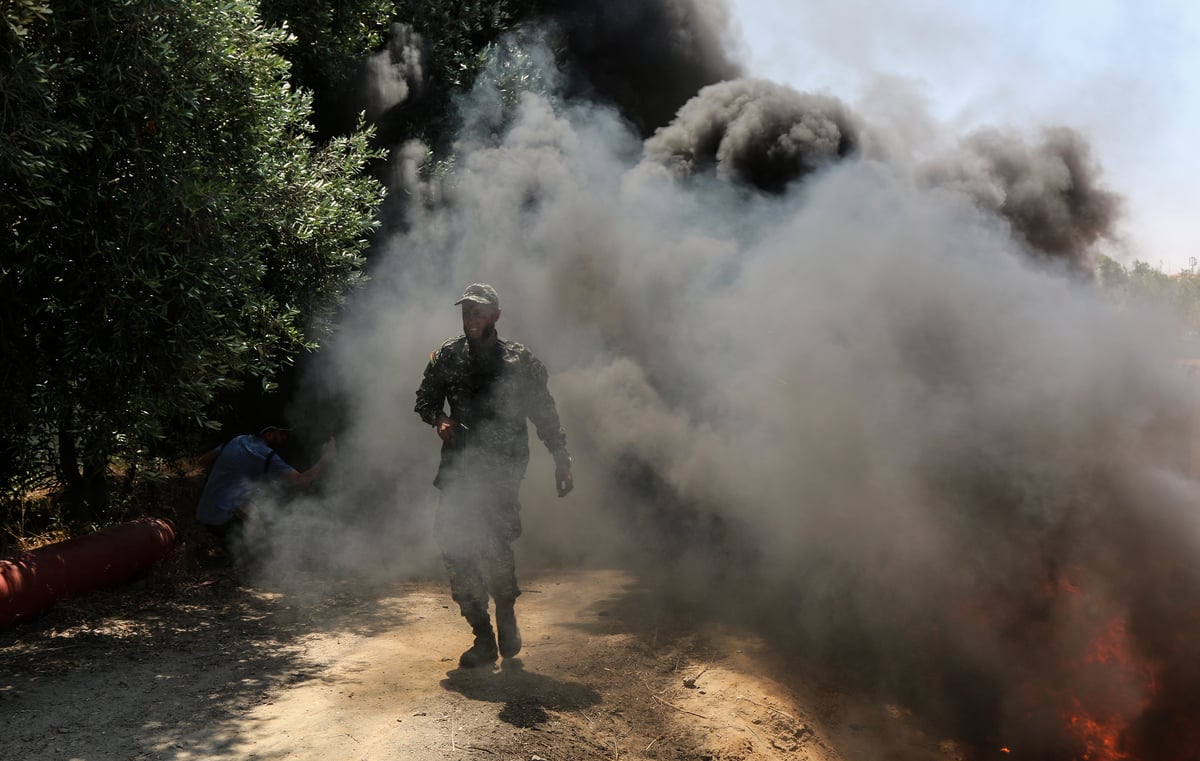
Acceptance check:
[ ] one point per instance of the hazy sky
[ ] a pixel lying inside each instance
(1125, 74)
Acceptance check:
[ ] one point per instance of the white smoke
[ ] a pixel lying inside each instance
(396, 73)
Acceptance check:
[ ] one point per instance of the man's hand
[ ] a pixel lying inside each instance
(305, 480)
(563, 480)
(445, 427)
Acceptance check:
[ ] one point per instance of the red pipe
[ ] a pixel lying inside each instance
(31, 583)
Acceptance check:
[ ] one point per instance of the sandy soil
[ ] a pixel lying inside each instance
(208, 665)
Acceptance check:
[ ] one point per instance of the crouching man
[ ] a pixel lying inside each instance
(240, 466)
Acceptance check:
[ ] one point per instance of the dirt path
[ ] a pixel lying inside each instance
(213, 668)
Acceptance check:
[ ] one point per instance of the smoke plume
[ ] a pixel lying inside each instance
(863, 414)
(396, 73)
(1050, 193)
(755, 132)
(646, 58)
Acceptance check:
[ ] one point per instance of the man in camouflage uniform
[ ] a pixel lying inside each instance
(491, 386)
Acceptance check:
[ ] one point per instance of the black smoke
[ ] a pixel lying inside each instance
(1050, 192)
(645, 58)
(755, 132)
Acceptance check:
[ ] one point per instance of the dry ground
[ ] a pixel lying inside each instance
(204, 664)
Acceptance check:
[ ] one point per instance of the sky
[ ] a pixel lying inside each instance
(1124, 74)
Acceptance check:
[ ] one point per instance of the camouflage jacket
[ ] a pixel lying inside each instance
(491, 393)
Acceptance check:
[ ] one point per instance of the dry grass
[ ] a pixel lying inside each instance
(35, 519)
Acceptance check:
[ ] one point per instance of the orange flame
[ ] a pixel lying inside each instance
(1101, 739)
(1125, 683)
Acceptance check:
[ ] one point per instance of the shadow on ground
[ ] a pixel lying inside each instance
(525, 694)
(193, 651)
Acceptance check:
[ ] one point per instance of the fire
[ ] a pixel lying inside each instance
(1094, 687)
(1117, 685)
(1102, 740)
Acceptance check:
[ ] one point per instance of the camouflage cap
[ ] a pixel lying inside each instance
(480, 293)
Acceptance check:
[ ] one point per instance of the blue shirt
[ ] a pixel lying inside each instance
(240, 466)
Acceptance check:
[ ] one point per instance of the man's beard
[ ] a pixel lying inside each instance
(486, 337)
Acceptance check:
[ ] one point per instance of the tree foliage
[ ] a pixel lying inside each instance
(173, 225)
(1178, 294)
(19, 15)
(328, 42)
(176, 225)
(333, 38)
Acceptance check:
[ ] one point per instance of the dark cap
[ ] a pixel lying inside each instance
(480, 293)
(270, 428)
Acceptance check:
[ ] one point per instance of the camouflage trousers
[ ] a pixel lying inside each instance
(475, 526)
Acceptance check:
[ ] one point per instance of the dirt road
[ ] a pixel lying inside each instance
(210, 666)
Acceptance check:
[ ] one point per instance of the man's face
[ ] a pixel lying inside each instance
(275, 439)
(479, 320)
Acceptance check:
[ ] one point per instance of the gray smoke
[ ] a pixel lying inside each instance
(396, 73)
(852, 414)
(755, 132)
(1050, 193)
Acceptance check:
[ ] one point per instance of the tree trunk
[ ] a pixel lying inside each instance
(95, 486)
(85, 492)
(68, 455)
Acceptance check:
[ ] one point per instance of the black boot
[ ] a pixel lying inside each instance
(483, 652)
(506, 625)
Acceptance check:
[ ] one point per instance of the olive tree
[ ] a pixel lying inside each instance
(173, 226)
(332, 40)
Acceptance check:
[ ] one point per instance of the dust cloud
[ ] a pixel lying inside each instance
(862, 403)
